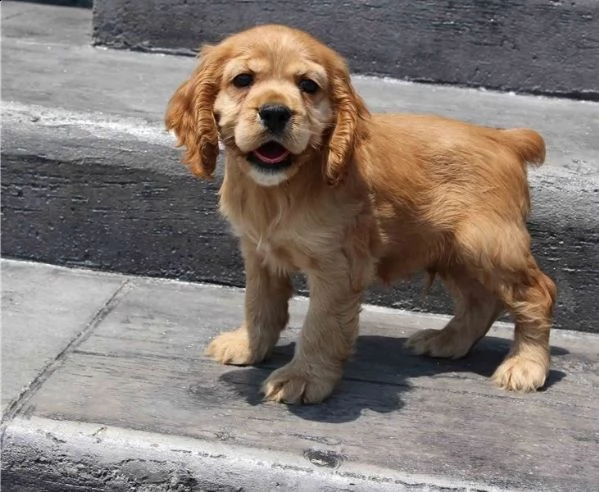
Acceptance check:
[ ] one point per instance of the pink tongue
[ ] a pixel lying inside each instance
(271, 153)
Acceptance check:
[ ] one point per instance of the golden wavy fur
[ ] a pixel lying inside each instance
(348, 197)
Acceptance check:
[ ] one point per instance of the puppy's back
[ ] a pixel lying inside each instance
(448, 167)
(446, 134)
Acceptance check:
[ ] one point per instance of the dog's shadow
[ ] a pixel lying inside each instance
(375, 378)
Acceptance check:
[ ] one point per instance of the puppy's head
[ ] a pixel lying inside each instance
(277, 98)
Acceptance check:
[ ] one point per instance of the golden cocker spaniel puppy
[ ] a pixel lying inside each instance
(316, 183)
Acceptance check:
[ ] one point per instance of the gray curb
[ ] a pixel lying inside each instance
(112, 195)
(61, 455)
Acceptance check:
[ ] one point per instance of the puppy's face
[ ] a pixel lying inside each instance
(276, 97)
(273, 105)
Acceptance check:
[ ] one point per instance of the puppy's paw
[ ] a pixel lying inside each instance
(233, 347)
(296, 383)
(439, 343)
(518, 373)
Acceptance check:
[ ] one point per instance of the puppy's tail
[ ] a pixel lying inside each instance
(527, 143)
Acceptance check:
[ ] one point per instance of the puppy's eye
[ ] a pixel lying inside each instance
(308, 86)
(243, 80)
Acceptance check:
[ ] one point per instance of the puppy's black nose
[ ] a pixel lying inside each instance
(274, 116)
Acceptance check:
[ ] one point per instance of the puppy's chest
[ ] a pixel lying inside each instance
(284, 240)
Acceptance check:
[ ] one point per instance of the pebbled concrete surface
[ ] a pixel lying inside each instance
(537, 46)
(131, 403)
(90, 178)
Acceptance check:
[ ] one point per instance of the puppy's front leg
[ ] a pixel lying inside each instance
(325, 342)
(266, 315)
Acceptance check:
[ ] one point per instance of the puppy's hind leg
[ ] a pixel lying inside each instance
(475, 311)
(530, 300)
(499, 257)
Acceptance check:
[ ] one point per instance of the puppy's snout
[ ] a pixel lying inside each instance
(274, 116)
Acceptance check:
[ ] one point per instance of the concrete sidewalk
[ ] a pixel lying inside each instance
(104, 387)
(89, 177)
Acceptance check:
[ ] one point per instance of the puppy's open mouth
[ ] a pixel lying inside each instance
(271, 156)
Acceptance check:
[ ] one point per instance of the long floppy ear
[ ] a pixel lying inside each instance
(190, 114)
(349, 111)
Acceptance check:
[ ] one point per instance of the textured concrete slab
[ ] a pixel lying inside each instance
(90, 178)
(43, 310)
(136, 404)
(503, 45)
